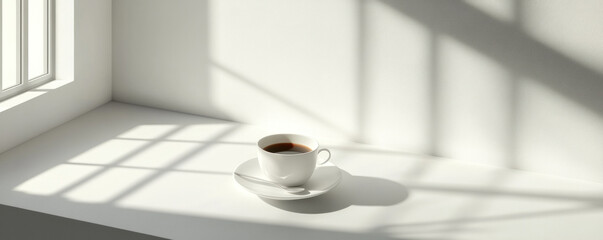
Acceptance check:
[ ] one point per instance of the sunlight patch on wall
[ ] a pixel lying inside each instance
(55, 179)
(254, 103)
(570, 27)
(559, 136)
(304, 52)
(474, 101)
(398, 71)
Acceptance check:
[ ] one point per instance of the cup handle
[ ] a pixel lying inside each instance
(327, 159)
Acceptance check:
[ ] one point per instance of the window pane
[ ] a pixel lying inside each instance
(10, 43)
(37, 38)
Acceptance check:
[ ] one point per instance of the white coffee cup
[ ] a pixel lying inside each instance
(289, 168)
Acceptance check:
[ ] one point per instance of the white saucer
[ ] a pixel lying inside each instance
(325, 178)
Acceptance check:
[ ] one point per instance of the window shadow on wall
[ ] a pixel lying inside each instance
(506, 43)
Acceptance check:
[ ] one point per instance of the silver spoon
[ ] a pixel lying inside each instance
(288, 189)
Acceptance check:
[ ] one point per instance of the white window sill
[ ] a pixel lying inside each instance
(31, 94)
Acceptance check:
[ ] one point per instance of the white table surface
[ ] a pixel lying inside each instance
(169, 174)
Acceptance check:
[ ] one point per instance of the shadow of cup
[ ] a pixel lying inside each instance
(352, 190)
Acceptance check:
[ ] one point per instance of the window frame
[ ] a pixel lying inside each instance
(25, 83)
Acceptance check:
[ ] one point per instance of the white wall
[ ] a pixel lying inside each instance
(511, 83)
(83, 65)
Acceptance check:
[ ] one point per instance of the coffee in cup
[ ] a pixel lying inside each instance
(289, 159)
